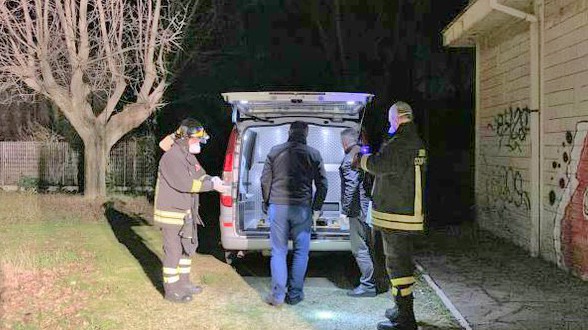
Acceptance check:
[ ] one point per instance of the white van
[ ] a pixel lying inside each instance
(261, 121)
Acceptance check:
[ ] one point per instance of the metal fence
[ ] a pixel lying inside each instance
(58, 164)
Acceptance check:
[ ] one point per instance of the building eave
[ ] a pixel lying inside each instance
(482, 17)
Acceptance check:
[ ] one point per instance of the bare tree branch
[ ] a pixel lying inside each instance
(75, 52)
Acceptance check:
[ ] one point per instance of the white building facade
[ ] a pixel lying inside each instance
(531, 173)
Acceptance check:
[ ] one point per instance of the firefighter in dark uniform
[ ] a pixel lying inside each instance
(397, 208)
(180, 179)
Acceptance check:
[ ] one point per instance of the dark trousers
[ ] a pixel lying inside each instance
(380, 276)
(398, 249)
(359, 233)
(176, 262)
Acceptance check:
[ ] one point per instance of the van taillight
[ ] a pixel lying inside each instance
(228, 167)
(227, 200)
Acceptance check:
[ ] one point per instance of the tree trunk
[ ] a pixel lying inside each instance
(96, 157)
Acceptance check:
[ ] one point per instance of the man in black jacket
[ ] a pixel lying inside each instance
(397, 209)
(286, 185)
(354, 205)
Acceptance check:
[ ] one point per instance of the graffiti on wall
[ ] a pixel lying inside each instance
(571, 218)
(511, 127)
(504, 188)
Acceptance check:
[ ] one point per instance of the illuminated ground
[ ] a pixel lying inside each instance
(326, 305)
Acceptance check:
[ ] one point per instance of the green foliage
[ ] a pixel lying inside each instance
(29, 183)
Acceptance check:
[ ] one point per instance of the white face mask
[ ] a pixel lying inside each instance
(194, 148)
(393, 120)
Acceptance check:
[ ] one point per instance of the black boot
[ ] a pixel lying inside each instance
(401, 317)
(187, 286)
(174, 293)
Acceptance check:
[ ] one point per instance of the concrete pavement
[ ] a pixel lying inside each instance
(497, 285)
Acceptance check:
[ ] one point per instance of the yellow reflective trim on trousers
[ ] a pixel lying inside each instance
(171, 279)
(170, 271)
(169, 217)
(403, 292)
(170, 214)
(402, 221)
(403, 281)
(184, 270)
(185, 261)
(363, 162)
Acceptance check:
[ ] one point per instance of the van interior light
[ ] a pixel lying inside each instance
(350, 102)
(243, 101)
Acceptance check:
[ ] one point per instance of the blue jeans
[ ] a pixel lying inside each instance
(289, 222)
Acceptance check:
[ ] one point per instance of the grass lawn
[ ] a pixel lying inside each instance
(67, 263)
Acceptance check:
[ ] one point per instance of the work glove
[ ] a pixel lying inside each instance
(220, 186)
(316, 215)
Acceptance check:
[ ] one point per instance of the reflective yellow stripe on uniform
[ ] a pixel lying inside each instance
(184, 270)
(403, 292)
(403, 281)
(170, 271)
(363, 162)
(185, 266)
(185, 262)
(402, 221)
(196, 185)
(169, 217)
(170, 275)
(171, 279)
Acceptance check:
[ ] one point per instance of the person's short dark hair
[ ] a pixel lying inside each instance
(299, 126)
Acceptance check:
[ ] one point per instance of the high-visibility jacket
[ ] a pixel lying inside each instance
(179, 179)
(398, 191)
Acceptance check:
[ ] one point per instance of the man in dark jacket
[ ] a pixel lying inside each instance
(397, 209)
(179, 180)
(354, 205)
(286, 185)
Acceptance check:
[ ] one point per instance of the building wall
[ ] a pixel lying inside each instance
(564, 224)
(504, 150)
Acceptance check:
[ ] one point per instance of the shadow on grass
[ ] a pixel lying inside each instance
(122, 226)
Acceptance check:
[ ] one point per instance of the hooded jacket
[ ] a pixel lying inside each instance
(289, 171)
(179, 179)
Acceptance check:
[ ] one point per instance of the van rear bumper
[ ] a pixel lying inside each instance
(241, 243)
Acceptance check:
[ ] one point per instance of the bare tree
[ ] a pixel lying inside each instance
(103, 63)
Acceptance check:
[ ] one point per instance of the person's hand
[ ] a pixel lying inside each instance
(220, 186)
(264, 207)
(216, 180)
(316, 215)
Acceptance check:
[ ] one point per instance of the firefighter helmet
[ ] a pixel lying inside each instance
(191, 128)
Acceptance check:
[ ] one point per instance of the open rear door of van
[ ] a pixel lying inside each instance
(261, 121)
(266, 105)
